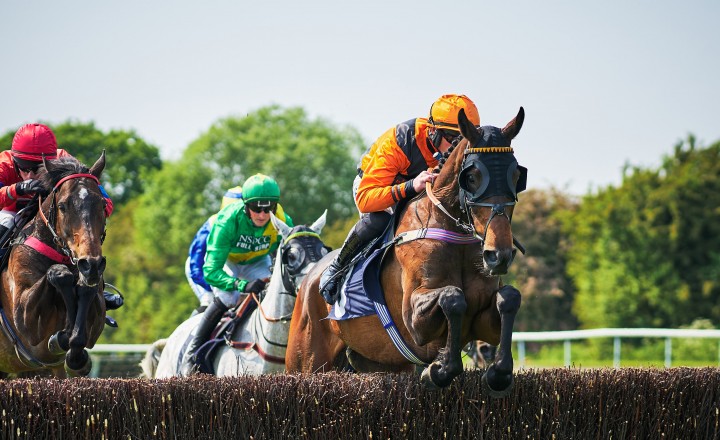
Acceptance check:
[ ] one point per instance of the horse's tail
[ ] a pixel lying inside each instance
(152, 358)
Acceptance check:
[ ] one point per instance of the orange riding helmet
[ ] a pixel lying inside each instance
(444, 112)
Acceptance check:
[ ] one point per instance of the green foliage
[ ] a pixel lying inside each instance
(312, 161)
(646, 254)
(334, 235)
(129, 159)
(547, 291)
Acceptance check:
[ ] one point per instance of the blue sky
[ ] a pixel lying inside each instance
(602, 83)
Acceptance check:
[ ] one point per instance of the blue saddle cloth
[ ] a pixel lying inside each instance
(361, 288)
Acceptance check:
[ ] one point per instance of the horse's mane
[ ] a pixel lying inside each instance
(450, 167)
(61, 167)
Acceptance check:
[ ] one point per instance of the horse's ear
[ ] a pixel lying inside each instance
(513, 127)
(46, 163)
(99, 166)
(281, 227)
(319, 223)
(468, 130)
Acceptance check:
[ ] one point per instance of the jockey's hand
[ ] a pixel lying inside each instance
(420, 179)
(255, 286)
(28, 186)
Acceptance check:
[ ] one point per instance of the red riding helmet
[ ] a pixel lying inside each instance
(32, 141)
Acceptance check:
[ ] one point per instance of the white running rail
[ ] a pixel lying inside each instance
(617, 334)
(521, 337)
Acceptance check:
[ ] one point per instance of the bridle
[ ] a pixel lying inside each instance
(289, 281)
(289, 288)
(50, 223)
(497, 166)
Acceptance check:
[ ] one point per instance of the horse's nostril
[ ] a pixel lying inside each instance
(83, 266)
(490, 257)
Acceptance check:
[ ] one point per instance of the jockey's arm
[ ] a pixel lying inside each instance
(378, 190)
(222, 236)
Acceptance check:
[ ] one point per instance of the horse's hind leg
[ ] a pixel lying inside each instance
(499, 377)
(426, 322)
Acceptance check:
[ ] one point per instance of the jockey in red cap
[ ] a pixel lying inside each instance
(20, 168)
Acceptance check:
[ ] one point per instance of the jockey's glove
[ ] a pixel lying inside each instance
(255, 286)
(28, 186)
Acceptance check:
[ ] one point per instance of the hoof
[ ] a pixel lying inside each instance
(57, 342)
(79, 365)
(499, 391)
(426, 379)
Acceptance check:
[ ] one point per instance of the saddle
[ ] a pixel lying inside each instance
(222, 334)
(360, 284)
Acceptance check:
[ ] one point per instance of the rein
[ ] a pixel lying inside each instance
(289, 290)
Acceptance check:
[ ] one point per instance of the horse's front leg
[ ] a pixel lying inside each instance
(60, 277)
(499, 377)
(78, 358)
(431, 312)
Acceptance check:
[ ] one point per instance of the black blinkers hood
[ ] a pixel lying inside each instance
(496, 165)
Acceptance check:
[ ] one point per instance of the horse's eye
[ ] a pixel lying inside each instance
(294, 257)
(62, 207)
(471, 179)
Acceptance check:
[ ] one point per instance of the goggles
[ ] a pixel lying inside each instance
(265, 206)
(449, 136)
(28, 167)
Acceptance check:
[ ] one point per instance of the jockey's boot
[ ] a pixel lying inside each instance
(113, 298)
(330, 279)
(113, 301)
(210, 319)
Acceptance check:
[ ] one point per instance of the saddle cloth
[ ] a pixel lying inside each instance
(361, 286)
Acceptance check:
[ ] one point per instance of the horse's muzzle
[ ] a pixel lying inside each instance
(91, 270)
(497, 262)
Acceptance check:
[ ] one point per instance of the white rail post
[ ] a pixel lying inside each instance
(616, 352)
(668, 352)
(521, 353)
(567, 352)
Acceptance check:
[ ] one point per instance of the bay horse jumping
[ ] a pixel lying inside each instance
(51, 291)
(441, 278)
(257, 343)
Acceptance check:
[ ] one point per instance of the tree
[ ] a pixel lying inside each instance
(312, 160)
(648, 252)
(548, 292)
(130, 159)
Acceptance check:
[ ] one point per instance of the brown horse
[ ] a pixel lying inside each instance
(440, 294)
(51, 289)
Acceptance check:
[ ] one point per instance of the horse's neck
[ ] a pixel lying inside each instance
(445, 189)
(275, 303)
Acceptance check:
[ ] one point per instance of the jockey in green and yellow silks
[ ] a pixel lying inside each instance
(238, 258)
(234, 238)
